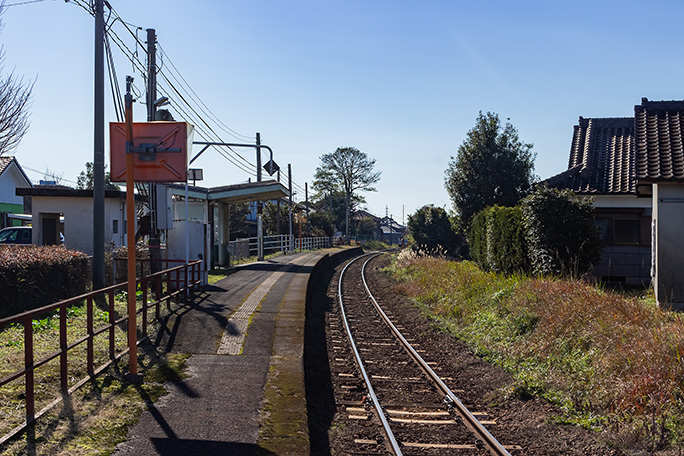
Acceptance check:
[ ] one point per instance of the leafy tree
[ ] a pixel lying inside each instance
(492, 166)
(321, 223)
(431, 230)
(366, 225)
(346, 170)
(15, 101)
(237, 216)
(270, 219)
(85, 179)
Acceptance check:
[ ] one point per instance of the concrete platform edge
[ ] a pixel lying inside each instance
(283, 428)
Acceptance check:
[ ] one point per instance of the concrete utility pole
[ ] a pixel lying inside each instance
(155, 253)
(289, 187)
(260, 205)
(98, 267)
(306, 199)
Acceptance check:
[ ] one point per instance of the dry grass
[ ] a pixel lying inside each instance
(609, 360)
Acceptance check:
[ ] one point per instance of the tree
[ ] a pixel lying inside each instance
(321, 224)
(431, 230)
(491, 167)
(85, 179)
(270, 219)
(237, 220)
(366, 225)
(347, 170)
(15, 101)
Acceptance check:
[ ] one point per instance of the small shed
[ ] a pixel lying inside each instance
(49, 204)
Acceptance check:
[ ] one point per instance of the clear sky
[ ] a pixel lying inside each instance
(403, 81)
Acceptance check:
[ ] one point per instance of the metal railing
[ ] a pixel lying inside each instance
(241, 249)
(164, 286)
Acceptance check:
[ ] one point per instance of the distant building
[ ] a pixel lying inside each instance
(12, 177)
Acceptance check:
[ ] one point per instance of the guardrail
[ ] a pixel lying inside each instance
(164, 286)
(284, 243)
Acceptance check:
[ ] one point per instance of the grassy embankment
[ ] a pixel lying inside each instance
(610, 361)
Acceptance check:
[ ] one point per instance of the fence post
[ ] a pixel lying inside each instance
(28, 365)
(63, 349)
(144, 285)
(112, 319)
(91, 335)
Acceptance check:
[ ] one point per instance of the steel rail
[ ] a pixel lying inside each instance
(451, 400)
(376, 404)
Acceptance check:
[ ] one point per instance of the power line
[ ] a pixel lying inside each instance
(226, 128)
(28, 2)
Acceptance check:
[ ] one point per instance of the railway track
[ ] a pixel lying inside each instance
(393, 399)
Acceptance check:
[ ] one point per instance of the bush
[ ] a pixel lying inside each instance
(431, 230)
(561, 234)
(497, 240)
(550, 232)
(32, 277)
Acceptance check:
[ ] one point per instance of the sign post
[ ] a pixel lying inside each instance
(130, 227)
(144, 152)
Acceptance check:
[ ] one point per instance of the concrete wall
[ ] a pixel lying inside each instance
(78, 220)
(668, 220)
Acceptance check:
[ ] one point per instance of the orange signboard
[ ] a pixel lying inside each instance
(160, 151)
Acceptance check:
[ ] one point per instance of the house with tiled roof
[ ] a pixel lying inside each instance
(601, 166)
(634, 170)
(659, 173)
(12, 177)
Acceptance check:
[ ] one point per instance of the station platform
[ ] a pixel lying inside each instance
(245, 392)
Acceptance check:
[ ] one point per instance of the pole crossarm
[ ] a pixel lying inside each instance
(209, 144)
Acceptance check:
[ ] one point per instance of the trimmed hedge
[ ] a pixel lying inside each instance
(497, 240)
(549, 232)
(32, 277)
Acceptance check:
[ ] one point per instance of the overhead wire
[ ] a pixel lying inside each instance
(185, 107)
(196, 118)
(225, 127)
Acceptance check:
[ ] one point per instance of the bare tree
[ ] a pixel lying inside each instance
(15, 101)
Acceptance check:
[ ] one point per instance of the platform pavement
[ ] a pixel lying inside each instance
(244, 394)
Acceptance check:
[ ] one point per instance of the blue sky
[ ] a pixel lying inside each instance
(401, 81)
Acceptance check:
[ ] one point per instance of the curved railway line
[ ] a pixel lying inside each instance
(396, 400)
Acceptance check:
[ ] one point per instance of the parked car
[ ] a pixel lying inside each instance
(15, 235)
(20, 235)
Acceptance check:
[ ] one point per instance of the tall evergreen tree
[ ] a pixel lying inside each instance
(492, 166)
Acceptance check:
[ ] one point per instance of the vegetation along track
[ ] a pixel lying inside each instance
(394, 399)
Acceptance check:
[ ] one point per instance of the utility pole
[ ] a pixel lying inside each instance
(155, 253)
(98, 267)
(306, 205)
(260, 206)
(278, 213)
(289, 186)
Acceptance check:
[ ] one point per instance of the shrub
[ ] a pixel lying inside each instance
(561, 234)
(497, 240)
(431, 230)
(32, 277)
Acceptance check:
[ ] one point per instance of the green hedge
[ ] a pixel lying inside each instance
(497, 240)
(32, 277)
(549, 232)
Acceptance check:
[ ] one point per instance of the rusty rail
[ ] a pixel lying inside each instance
(175, 289)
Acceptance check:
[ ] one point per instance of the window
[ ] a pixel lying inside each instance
(115, 226)
(626, 231)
